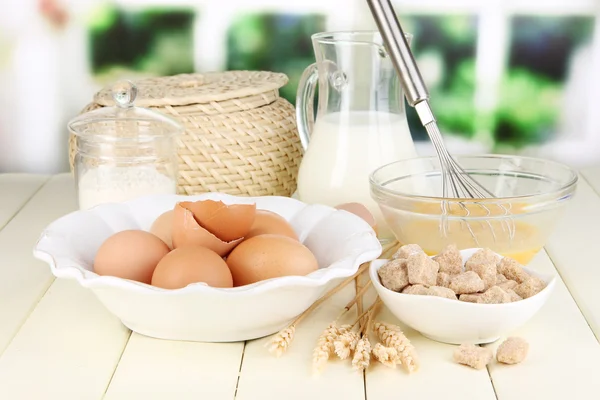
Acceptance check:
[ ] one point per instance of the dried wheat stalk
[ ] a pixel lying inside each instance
(280, 343)
(282, 340)
(391, 336)
(362, 353)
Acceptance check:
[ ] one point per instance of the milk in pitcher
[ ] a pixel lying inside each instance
(345, 147)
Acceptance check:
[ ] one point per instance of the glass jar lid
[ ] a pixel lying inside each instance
(124, 121)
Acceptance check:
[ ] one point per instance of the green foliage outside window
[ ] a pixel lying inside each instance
(274, 42)
(159, 41)
(156, 41)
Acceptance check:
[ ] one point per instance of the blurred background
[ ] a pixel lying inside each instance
(504, 75)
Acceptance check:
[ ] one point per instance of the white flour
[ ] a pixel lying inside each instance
(116, 184)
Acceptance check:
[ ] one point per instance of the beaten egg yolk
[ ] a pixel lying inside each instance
(508, 237)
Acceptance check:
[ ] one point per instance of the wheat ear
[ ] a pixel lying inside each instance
(324, 347)
(391, 336)
(362, 352)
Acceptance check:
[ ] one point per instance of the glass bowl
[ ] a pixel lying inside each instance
(530, 196)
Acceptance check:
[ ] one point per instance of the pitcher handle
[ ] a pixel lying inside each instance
(305, 100)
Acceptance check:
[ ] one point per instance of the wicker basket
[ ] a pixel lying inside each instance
(240, 137)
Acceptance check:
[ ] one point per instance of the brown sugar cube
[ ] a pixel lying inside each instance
(486, 271)
(513, 295)
(466, 283)
(512, 270)
(500, 278)
(416, 289)
(512, 351)
(507, 284)
(450, 260)
(482, 256)
(494, 295)
(422, 270)
(441, 292)
(406, 251)
(473, 356)
(443, 279)
(530, 287)
(470, 298)
(394, 275)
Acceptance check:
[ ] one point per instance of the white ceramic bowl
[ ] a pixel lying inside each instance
(339, 240)
(457, 322)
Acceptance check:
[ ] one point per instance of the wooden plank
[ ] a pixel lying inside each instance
(15, 191)
(163, 369)
(23, 279)
(563, 353)
(66, 350)
(266, 377)
(573, 247)
(437, 378)
(592, 176)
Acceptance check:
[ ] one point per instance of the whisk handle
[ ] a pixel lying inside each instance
(399, 51)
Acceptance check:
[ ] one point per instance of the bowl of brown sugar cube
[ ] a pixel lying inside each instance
(467, 296)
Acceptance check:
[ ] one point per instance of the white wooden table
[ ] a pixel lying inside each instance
(58, 342)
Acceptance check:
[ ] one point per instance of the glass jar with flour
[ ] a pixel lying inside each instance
(124, 152)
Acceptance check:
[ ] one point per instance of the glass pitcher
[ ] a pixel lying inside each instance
(361, 121)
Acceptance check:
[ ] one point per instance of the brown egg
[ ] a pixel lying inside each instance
(162, 227)
(131, 255)
(227, 222)
(269, 256)
(186, 231)
(191, 264)
(270, 222)
(360, 211)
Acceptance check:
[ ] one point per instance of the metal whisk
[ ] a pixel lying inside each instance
(456, 182)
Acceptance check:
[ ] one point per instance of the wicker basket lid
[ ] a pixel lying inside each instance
(217, 91)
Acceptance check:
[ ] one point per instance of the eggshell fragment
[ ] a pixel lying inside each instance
(269, 256)
(186, 231)
(191, 264)
(163, 226)
(130, 254)
(227, 222)
(360, 211)
(270, 222)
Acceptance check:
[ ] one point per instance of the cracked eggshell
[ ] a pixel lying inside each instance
(227, 222)
(187, 231)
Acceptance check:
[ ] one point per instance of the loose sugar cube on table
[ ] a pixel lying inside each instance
(422, 270)
(443, 279)
(394, 275)
(494, 295)
(416, 289)
(512, 351)
(474, 356)
(441, 292)
(407, 250)
(466, 283)
(512, 270)
(482, 256)
(450, 260)
(530, 287)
